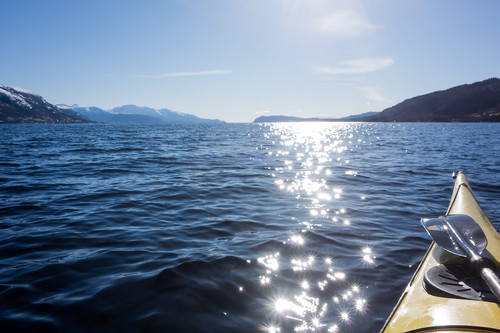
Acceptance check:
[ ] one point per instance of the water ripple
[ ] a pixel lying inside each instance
(235, 227)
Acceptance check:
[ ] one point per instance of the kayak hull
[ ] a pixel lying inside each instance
(418, 311)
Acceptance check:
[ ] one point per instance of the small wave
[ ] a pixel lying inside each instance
(183, 228)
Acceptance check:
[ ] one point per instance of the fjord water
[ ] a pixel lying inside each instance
(224, 228)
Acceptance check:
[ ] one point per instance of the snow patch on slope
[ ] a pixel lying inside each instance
(16, 98)
(21, 90)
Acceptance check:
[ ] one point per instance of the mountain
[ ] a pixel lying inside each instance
(92, 113)
(137, 114)
(283, 119)
(356, 117)
(21, 106)
(277, 119)
(476, 102)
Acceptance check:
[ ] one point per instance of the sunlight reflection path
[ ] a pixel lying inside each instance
(306, 291)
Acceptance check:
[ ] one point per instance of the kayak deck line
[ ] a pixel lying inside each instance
(454, 328)
(419, 311)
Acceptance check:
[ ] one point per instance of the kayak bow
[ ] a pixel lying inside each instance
(445, 294)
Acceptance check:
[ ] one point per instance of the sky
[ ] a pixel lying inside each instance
(236, 60)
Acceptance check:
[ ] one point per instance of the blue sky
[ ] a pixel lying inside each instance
(236, 60)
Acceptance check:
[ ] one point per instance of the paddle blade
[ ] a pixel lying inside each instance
(470, 230)
(439, 232)
(445, 231)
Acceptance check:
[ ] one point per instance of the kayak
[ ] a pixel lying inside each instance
(444, 295)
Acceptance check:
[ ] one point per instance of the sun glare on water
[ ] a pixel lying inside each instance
(323, 297)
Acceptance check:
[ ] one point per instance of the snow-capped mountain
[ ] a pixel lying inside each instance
(20, 106)
(137, 114)
(92, 113)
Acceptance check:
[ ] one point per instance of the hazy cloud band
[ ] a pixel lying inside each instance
(185, 74)
(358, 66)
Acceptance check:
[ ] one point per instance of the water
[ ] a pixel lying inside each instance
(235, 227)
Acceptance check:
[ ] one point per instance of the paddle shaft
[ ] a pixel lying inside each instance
(491, 280)
(486, 273)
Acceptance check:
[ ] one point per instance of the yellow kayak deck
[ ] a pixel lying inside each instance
(418, 311)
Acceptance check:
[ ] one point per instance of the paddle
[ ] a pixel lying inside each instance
(461, 235)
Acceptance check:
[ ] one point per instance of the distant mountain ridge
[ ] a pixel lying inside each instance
(476, 102)
(137, 114)
(20, 106)
(277, 119)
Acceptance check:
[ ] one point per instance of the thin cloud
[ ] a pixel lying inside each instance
(186, 74)
(358, 66)
(347, 24)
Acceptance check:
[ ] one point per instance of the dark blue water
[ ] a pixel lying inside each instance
(213, 228)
